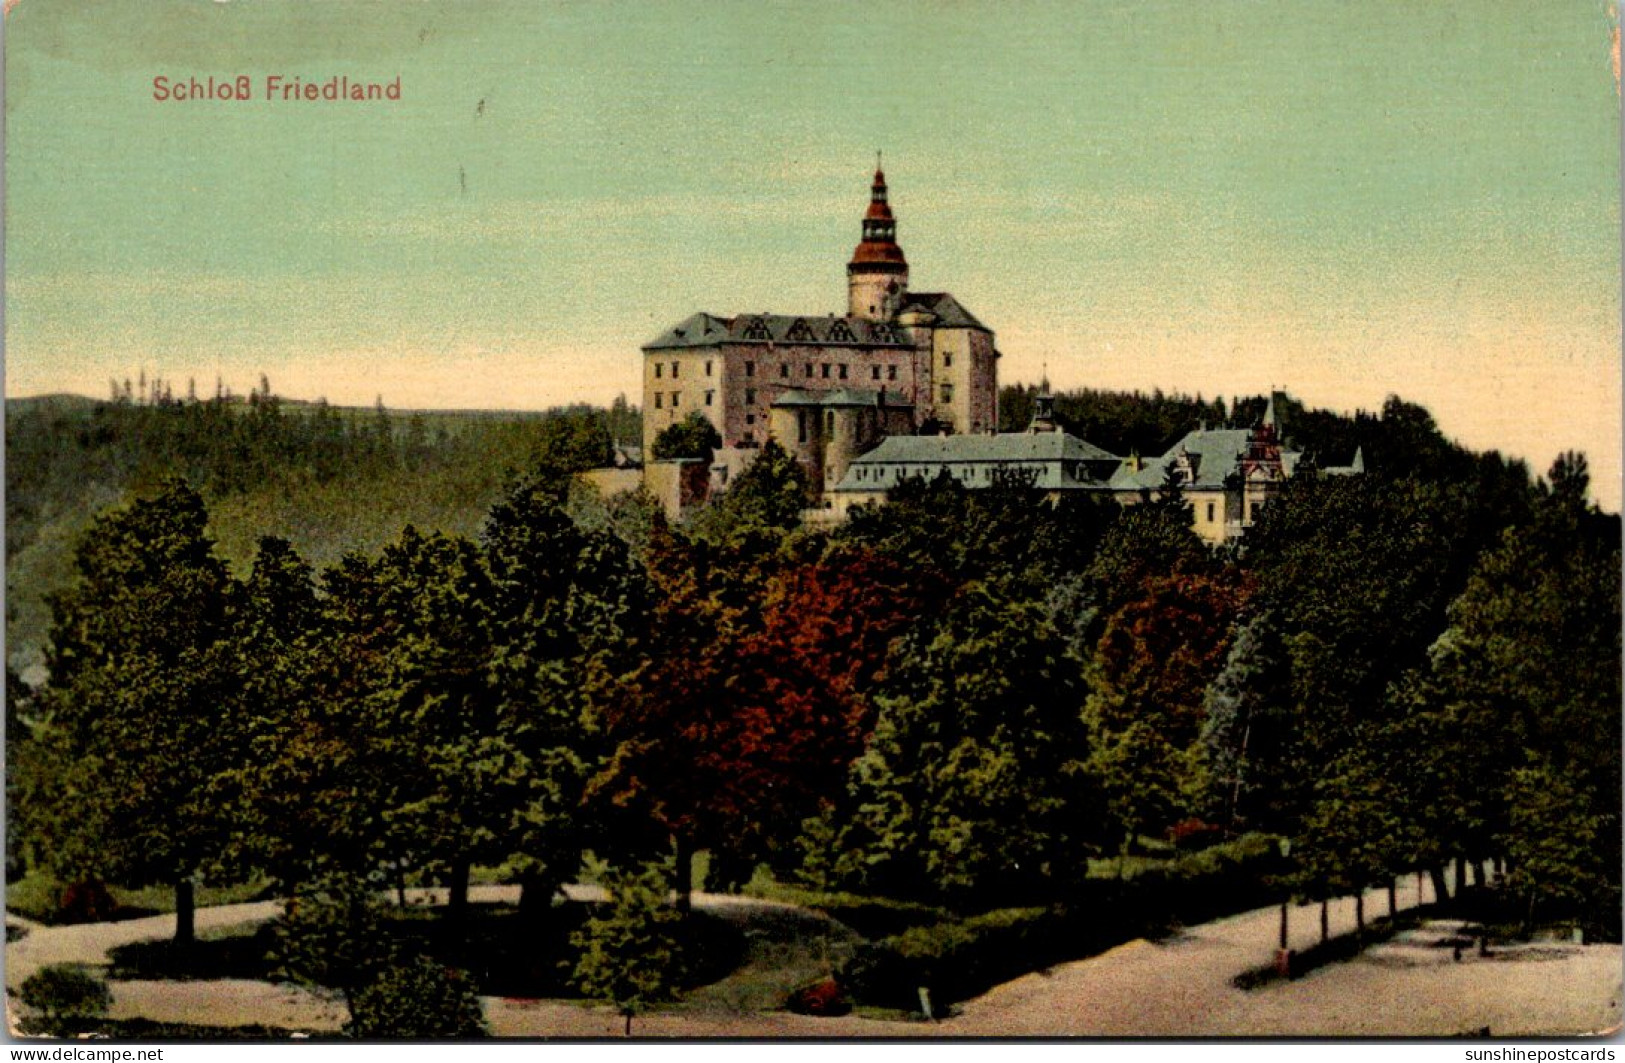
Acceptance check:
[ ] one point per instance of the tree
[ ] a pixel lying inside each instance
(1552, 843)
(630, 956)
(1247, 728)
(972, 784)
(1151, 667)
(765, 499)
(692, 437)
(135, 721)
(568, 611)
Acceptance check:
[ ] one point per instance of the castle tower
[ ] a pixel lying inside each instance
(877, 276)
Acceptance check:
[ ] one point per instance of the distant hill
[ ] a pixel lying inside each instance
(330, 480)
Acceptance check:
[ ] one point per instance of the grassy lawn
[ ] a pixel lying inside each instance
(38, 897)
(506, 958)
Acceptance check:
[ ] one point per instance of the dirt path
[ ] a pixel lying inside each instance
(1175, 988)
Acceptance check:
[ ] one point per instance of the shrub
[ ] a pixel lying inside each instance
(822, 998)
(331, 936)
(417, 1000)
(958, 959)
(66, 996)
(86, 902)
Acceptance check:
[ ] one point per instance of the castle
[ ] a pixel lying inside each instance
(905, 385)
(827, 389)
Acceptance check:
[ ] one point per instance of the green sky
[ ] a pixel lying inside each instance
(1345, 199)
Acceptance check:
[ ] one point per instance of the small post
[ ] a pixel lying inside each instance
(925, 1003)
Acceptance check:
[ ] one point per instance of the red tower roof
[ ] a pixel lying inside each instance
(879, 246)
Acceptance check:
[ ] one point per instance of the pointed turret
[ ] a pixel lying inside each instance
(877, 276)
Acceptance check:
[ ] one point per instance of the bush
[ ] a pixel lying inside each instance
(822, 998)
(418, 1000)
(67, 997)
(331, 935)
(86, 902)
(959, 959)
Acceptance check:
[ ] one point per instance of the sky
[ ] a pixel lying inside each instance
(1342, 199)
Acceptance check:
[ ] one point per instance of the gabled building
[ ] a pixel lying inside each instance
(1226, 474)
(1045, 456)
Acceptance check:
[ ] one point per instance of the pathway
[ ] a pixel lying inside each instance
(1179, 987)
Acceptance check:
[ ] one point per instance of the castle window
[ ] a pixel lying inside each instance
(1210, 512)
(757, 330)
(829, 422)
(801, 426)
(825, 371)
(875, 373)
(750, 396)
(750, 368)
(709, 395)
(891, 372)
(674, 370)
(947, 359)
(674, 399)
(843, 370)
(750, 418)
(708, 367)
(947, 393)
(784, 370)
(659, 400)
(809, 369)
(659, 370)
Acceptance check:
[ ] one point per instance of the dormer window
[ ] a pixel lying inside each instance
(840, 333)
(757, 330)
(800, 332)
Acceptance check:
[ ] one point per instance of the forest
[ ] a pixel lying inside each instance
(961, 718)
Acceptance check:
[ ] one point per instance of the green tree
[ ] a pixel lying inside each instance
(764, 501)
(1247, 728)
(631, 955)
(419, 999)
(568, 611)
(135, 727)
(1553, 846)
(972, 784)
(692, 437)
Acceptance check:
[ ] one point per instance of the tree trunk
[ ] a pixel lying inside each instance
(457, 895)
(1325, 921)
(1393, 898)
(1461, 876)
(629, 1024)
(535, 898)
(1441, 888)
(685, 874)
(1421, 897)
(1283, 924)
(185, 912)
(1475, 874)
(1359, 914)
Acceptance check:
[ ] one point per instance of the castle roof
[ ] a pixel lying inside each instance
(1060, 461)
(950, 314)
(709, 330)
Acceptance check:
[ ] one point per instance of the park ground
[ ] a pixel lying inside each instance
(1180, 986)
